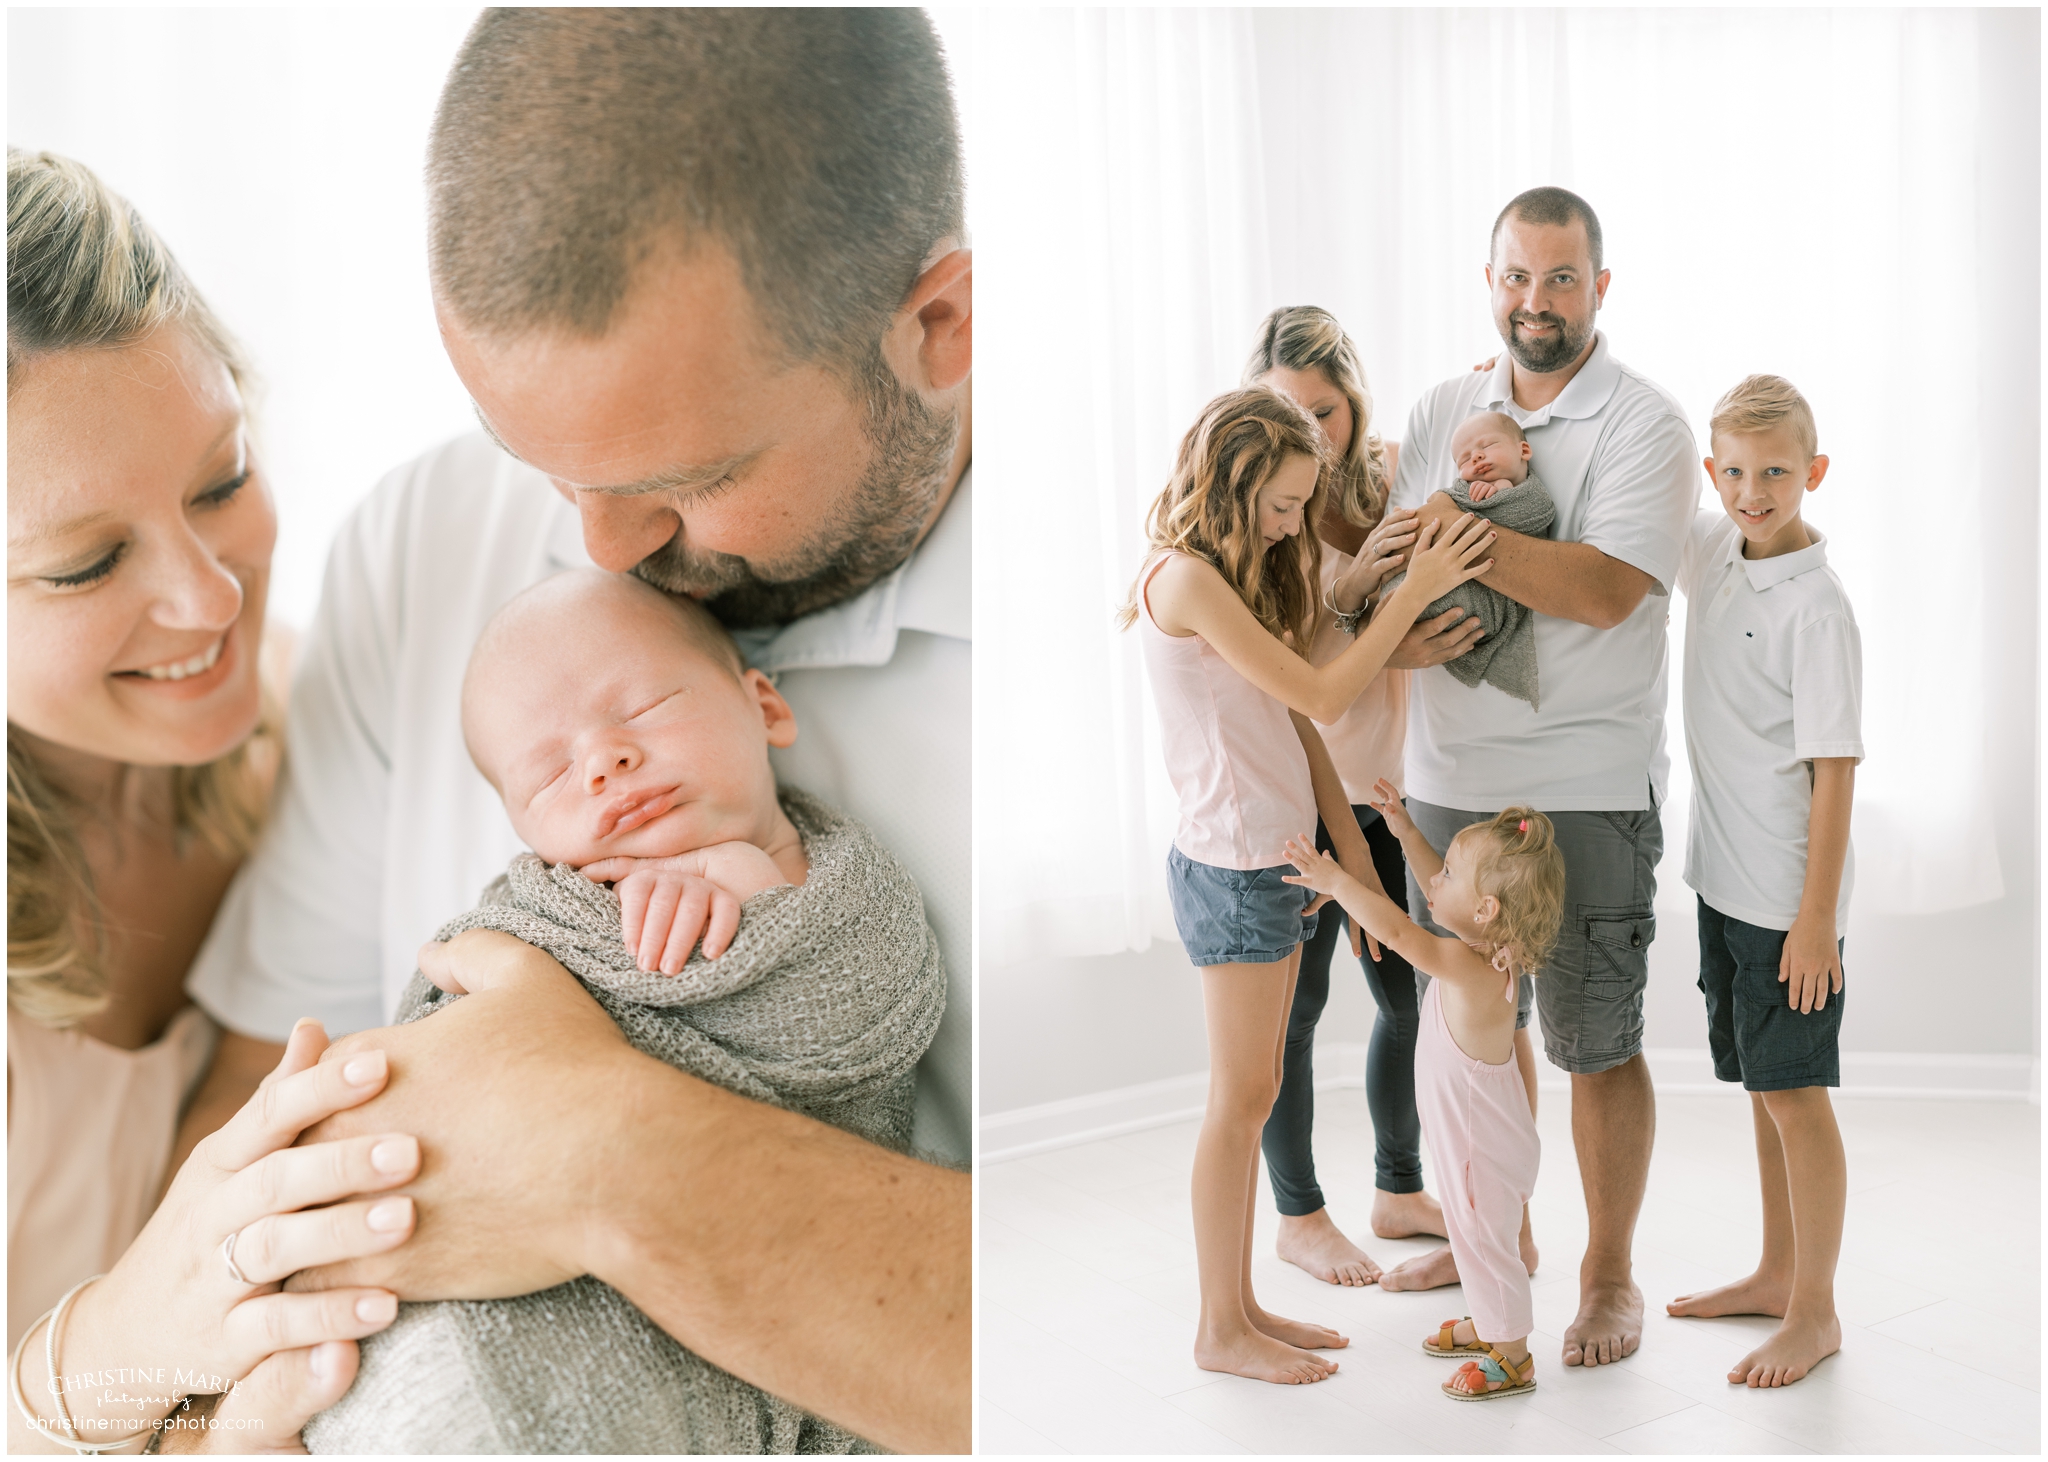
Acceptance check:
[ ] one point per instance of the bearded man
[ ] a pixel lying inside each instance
(704, 276)
(1616, 453)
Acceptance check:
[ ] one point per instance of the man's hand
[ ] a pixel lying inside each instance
(1433, 641)
(1811, 965)
(1563, 579)
(516, 1094)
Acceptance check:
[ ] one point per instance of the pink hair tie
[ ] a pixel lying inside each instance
(1522, 826)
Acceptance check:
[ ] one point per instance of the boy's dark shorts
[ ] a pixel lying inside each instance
(1237, 915)
(1756, 1036)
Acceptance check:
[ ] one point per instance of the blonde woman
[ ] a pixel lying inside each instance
(139, 763)
(1227, 591)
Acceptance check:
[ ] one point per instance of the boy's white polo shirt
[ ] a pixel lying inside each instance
(1773, 679)
(1616, 454)
(382, 830)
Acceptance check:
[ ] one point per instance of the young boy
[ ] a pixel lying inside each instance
(1773, 700)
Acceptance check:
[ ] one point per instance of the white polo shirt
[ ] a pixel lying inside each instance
(1616, 453)
(1773, 679)
(382, 830)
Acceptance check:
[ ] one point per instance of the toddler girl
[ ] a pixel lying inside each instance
(1500, 888)
(1225, 596)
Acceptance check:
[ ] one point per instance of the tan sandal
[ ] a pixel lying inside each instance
(1513, 1379)
(1446, 1344)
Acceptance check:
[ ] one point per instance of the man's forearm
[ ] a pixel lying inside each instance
(1574, 581)
(819, 1267)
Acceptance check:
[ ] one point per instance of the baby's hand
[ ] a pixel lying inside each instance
(1480, 491)
(1319, 870)
(666, 903)
(1386, 801)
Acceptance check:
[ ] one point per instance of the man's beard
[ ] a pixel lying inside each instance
(1543, 357)
(871, 535)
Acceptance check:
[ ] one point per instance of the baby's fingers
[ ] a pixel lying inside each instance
(725, 922)
(688, 924)
(634, 894)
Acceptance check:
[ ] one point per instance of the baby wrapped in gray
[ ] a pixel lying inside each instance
(1506, 653)
(823, 1004)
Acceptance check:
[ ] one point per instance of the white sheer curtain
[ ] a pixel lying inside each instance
(1795, 191)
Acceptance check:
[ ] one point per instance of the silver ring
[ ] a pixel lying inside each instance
(227, 1257)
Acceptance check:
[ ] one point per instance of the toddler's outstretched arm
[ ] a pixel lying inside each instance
(1425, 860)
(666, 903)
(1441, 959)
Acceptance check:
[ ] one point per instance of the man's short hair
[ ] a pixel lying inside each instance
(1765, 403)
(1552, 208)
(820, 146)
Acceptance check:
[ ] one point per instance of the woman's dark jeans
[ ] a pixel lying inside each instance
(1389, 1062)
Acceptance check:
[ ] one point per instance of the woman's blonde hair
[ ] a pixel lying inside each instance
(1515, 858)
(84, 272)
(1306, 338)
(1209, 509)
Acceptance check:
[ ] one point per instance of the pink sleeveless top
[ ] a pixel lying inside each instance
(1231, 752)
(89, 1135)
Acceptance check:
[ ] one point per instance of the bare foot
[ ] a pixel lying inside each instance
(1404, 1215)
(1609, 1326)
(1314, 1244)
(1433, 1270)
(1793, 1349)
(1528, 1242)
(1262, 1358)
(1753, 1295)
(1298, 1333)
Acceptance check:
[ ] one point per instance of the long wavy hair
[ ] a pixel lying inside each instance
(1306, 338)
(1209, 508)
(85, 272)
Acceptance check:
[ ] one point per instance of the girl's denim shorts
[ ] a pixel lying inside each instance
(1236, 915)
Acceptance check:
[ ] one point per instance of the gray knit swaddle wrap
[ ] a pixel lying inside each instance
(827, 998)
(1506, 653)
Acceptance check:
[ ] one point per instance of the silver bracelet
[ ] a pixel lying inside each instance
(36, 1425)
(1347, 622)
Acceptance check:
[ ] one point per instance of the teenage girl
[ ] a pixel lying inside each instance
(1303, 352)
(1226, 592)
(1499, 888)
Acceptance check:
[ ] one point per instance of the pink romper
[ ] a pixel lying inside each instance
(1482, 1138)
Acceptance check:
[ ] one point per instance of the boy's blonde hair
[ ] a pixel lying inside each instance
(1306, 338)
(1765, 403)
(1209, 509)
(1516, 859)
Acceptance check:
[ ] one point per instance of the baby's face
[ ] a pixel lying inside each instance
(616, 735)
(1485, 452)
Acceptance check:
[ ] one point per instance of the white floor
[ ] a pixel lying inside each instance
(1088, 1302)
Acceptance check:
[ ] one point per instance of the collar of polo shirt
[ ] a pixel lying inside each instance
(1767, 573)
(1583, 395)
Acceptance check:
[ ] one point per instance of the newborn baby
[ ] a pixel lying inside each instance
(630, 745)
(1491, 453)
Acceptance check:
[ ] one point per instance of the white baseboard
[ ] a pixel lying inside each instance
(1678, 1071)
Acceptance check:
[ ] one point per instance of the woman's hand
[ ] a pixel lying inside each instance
(173, 1300)
(1441, 565)
(1382, 554)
